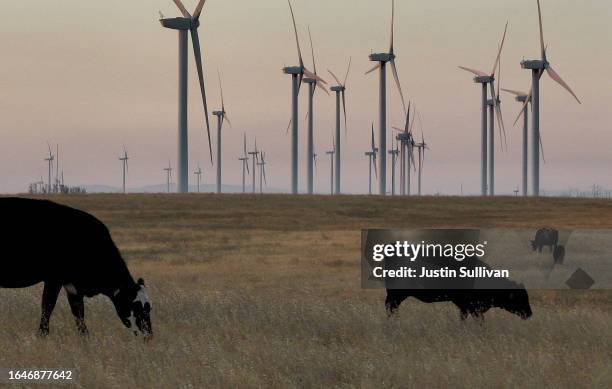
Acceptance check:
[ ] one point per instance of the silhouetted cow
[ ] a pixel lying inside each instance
(64, 247)
(469, 301)
(545, 237)
(473, 296)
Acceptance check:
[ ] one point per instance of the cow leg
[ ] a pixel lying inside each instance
(392, 303)
(78, 310)
(463, 313)
(49, 298)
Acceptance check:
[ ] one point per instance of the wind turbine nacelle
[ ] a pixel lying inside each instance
(483, 79)
(178, 23)
(534, 64)
(293, 70)
(337, 88)
(382, 57)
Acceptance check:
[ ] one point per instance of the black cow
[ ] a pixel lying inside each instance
(545, 237)
(474, 302)
(65, 247)
(472, 296)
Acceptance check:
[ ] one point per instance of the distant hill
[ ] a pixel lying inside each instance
(161, 188)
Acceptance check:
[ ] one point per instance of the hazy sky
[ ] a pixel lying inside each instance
(94, 76)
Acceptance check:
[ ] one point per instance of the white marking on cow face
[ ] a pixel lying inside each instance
(70, 289)
(141, 297)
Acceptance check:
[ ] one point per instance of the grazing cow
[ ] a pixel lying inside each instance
(473, 296)
(67, 248)
(474, 302)
(545, 237)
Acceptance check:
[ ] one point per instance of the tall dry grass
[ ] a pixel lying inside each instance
(264, 291)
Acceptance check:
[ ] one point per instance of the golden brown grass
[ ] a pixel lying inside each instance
(264, 291)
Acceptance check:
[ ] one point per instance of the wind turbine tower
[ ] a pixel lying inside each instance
(254, 155)
(245, 164)
(198, 174)
(49, 160)
(522, 97)
(124, 165)
(339, 89)
(183, 25)
(382, 59)
(221, 117)
(297, 74)
(168, 171)
(537, 67)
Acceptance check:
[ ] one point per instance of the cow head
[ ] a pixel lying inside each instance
(134, 308)
(517, 301)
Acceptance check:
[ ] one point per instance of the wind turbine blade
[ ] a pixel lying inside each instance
(245, 146)
(542, 46)
(287, 130)
(221, 90)
(501, 46)
(198, 58)
(297, 41)
(542, 147)
(374, 68)
(182, 8)
(522, 108)
(375, 167)
(474, 71)
(514, 92)
(334, 76)
(412, 121)
(392, 25)
(397, 129)
(314, 62)
(397, 83)
(225, 117)
(344, 109)
(373, 142)
(312, 75)
(324, 89)
(198, 10)
(347, 71)
(498, 114)
(555, 76)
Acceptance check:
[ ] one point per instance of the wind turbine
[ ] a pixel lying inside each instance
(537, 67)
(331, 169)
(297, 74)
(421, 147)
(339, 89)
(198, 174)
(49, 160)
(245, 164)
(57, 171)
(221, 117)
(382, 59)
(406, 150)
(487, 79)
(371, 160)
(254, 154)
(522, 97)
(124, 163)
(262, 172)
(183, 24)
(393, 152)
(168, 171)
(312, 85)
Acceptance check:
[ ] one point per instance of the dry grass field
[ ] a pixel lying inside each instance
(264, 291)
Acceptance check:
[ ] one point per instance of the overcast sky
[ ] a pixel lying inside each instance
(94, 76)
